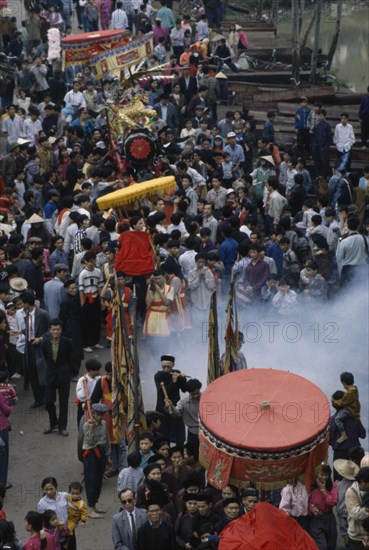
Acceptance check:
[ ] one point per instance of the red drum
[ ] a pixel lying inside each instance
(140, 147)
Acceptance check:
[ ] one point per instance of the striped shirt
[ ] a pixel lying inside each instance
(90, 281)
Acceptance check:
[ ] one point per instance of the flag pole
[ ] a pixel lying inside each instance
(213, 344)
(231, 337)
(136, 368)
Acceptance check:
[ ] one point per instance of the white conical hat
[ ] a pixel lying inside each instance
(35, 218)
(269, 159)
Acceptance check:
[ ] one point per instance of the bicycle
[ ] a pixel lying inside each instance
(328, 78)
(271, 64)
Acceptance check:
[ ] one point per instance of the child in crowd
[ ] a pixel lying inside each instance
(132, 476)
(52, 525)
(87, 381)
(77, 510)
(227, 170)
(285, 299)
(350, 404)
(7, 390)
(146, 442)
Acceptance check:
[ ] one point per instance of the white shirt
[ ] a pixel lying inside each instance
(91, 383)
(187, 262)
(130, 518)
(119, 19)
(13, 127)
(164, 112)
(76, 99)
(344, 137)
(20, 189)
(202, 29)
(84, 212)
(197, 179)
(31, 129)
(246, 230)
(20, 319)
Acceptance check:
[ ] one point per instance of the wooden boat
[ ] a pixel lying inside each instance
(261, 93)
(251, 26)
(271, 78)
(284, 55)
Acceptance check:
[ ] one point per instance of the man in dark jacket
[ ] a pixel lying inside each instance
(322, 139)
(188, 85)
(34, 275)
(15, 46)
(172, 260)
(167, 112)
(155, 533)
(297, 195)
(57, 351)
(33, 323)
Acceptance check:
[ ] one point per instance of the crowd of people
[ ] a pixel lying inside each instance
(269, 217)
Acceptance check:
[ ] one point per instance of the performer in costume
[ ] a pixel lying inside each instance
(118, 288)
(179, 315)
(86, 385)
(171, 428)
(158, 298)
(96, 451)
(103, 394)
(90, 283)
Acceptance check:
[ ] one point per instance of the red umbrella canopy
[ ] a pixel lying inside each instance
(265, 528)
(262, 425)
(94, 36)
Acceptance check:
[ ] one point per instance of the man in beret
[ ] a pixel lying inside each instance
(249, 498)
(174, 382)
(96, 451)
(205, 514)
(231, 507)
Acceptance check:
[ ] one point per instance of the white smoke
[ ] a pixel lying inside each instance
(320, 342)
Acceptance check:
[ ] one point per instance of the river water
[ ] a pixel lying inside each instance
(351, 61)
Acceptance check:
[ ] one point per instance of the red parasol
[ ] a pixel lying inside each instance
(265, 527)
(262, 425)
(95, 36)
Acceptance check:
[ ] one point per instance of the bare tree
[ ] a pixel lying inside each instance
(308, 30)
(314, 57)
(337, 31)
(301, 13)
(260, 10)
(274, 16)
(295, 40)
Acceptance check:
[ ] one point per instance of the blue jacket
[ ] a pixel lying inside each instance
(268, 132)
(301, 118)
(364, 106)
(274, 251)
(228, 251)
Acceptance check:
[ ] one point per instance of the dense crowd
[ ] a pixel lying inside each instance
(278, 220)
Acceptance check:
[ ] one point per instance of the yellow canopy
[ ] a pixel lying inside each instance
(137, 191)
